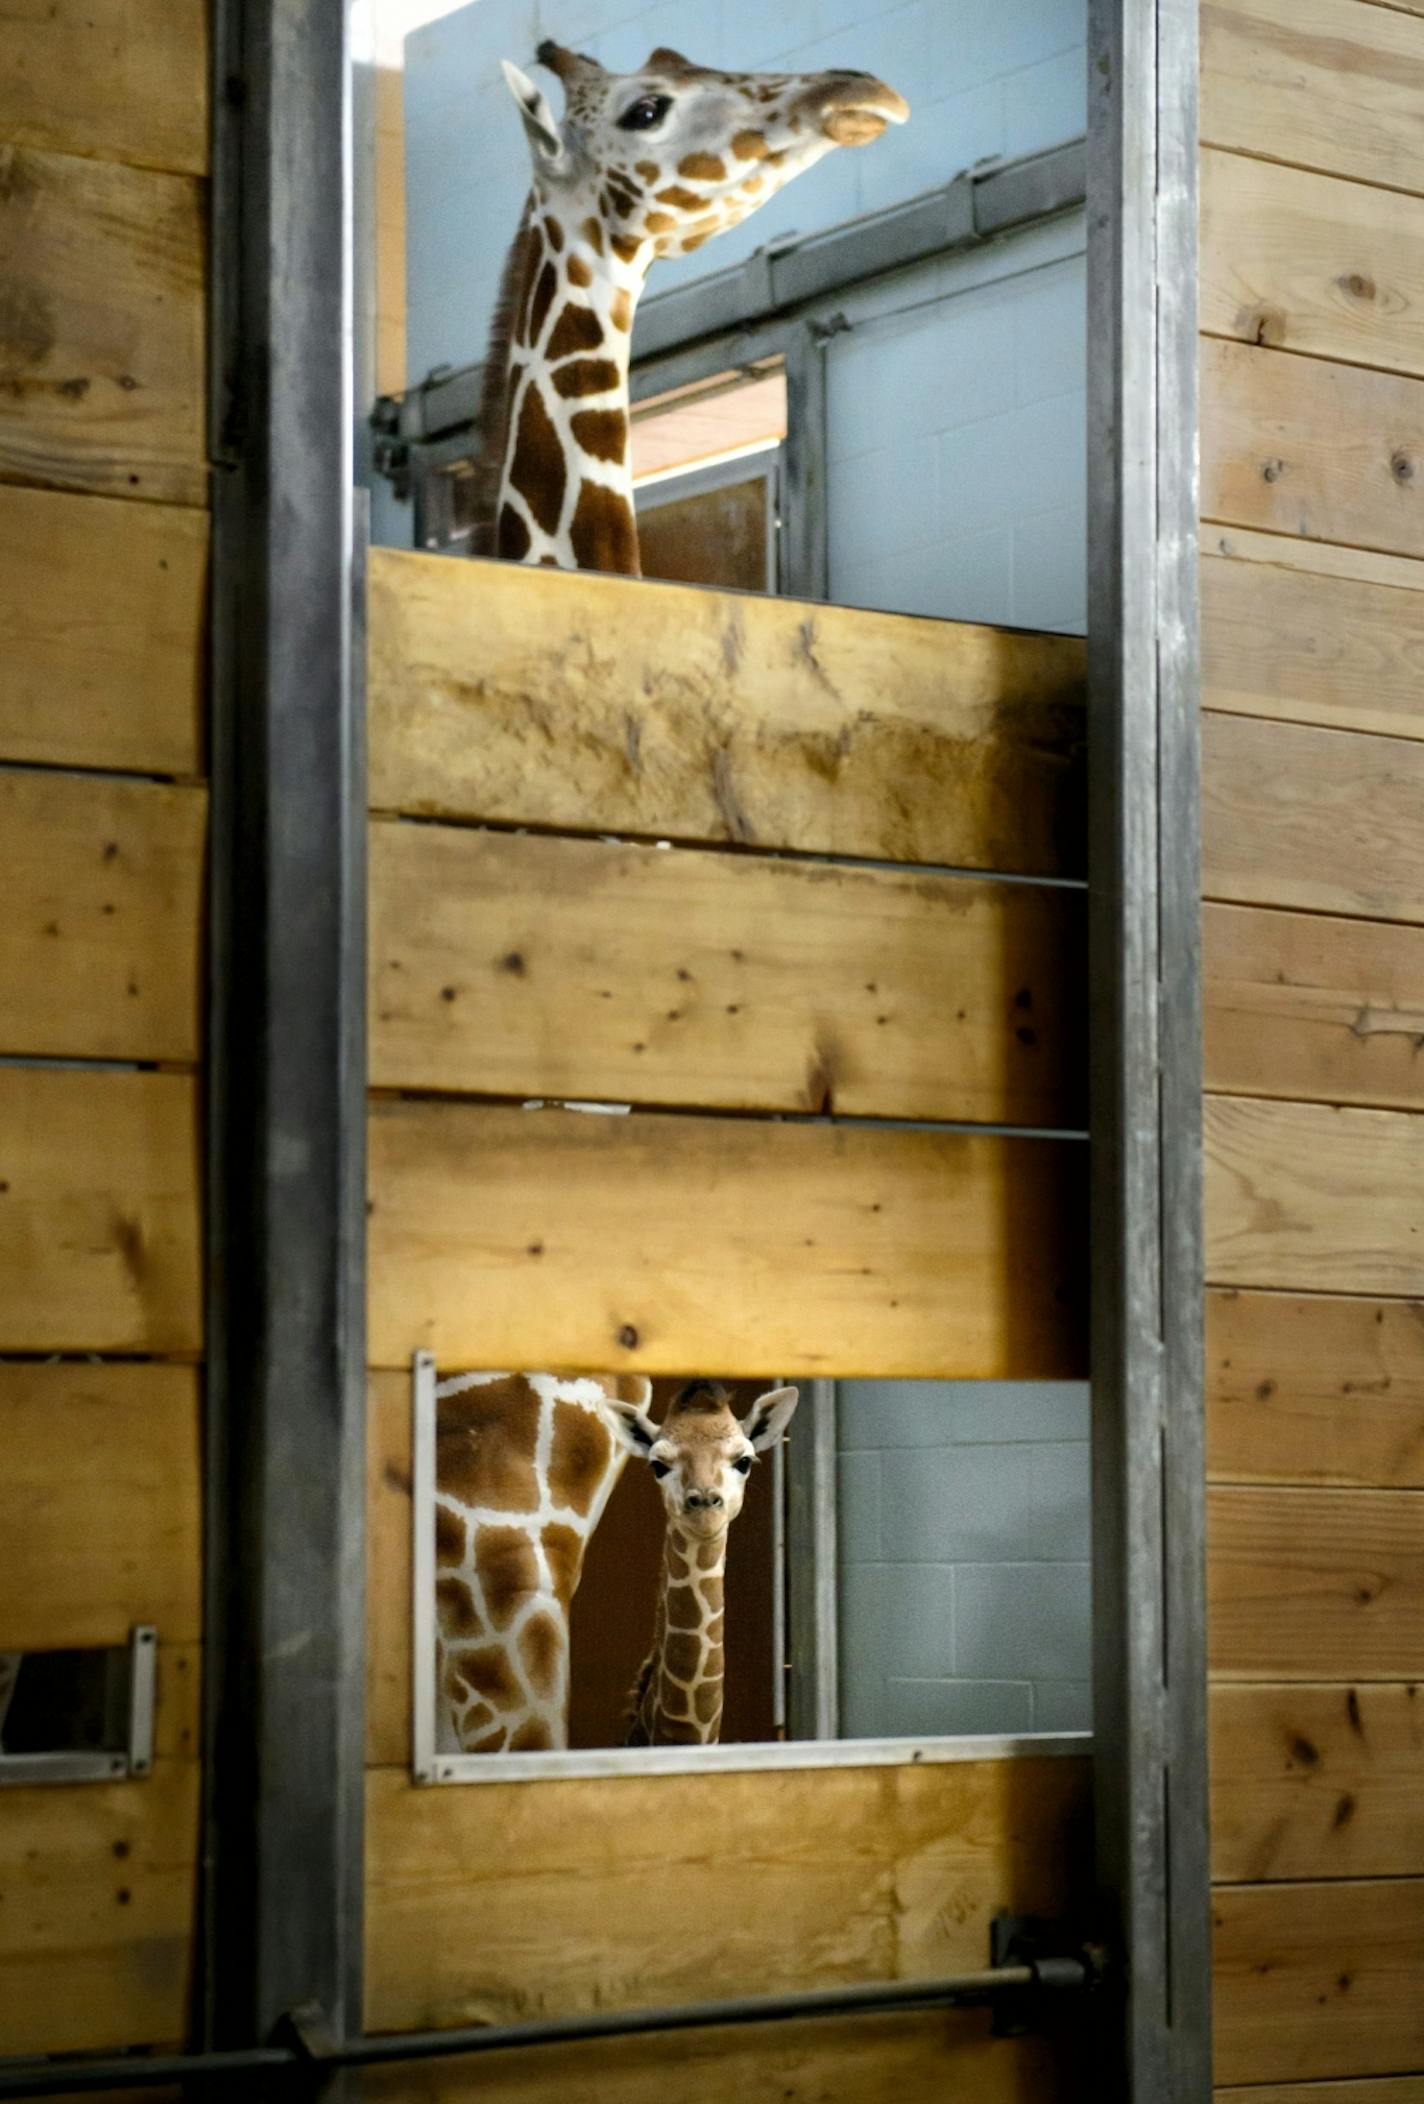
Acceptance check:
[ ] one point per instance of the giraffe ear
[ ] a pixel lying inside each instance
(632, 1427)
(546, 141)
(769, 1416)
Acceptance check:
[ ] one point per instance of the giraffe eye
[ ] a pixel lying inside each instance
(643, 114)
(660, 1468)
(743, 1464)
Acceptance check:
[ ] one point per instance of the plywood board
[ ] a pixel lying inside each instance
(1293, 816)
(1306, 262)
(102, 358)
(671, 1244)
(896, 2059)
(1327, 84)
(1281, 638)
(1316, 1782)
(103, 882)
(1388, 2089)
(1306, 1005)
(100, 1503)
(606, 704)
(122, 684)
(504, 1901)
(1316, 1584)
(1303, 446)
(122, 80)
(1312, 1981)
(1314, 1388)
(96, 1934)
(1305, 1196)
(99, 1216)
(527, 966)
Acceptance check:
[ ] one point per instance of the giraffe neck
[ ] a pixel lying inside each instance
(677, 1699)
(559, 405)
(525, 1466)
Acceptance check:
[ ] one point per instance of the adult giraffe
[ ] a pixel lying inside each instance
(643, 165)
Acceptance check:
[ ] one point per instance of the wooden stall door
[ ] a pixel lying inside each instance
(1313, 590)
(801, 1042)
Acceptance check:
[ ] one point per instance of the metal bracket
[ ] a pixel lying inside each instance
(1055, 1956)
(104, 1764)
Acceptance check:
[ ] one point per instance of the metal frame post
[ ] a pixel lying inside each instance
(284, 1636)
(1144, 911)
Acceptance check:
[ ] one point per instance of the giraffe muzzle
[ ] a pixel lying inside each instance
(856, 109)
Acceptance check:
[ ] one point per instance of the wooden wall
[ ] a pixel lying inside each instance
(103, 556)
(1313, 537)
(810, 1018)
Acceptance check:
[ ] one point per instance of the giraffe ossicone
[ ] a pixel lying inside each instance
(642, 165)
(701, 1454)
(525, 1464)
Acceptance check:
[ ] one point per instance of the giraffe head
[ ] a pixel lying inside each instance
(702, 1453)
(662, 159)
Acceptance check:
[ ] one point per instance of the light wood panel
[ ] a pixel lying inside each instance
(508, 1900)
(1302, 1195)
(1306, 262)
(100, 1501)
(1286, 637)
(552, 967)
(102, 605)
(96, 1930)
(102, 355)
(1311, 1388)
(1316, 1782)
(1304, 446)
(1293, 816)
(123, 80)
(518, 1238)
(1327, 84)
(103, 882)
(606, 704)
(99, 1229)
(1318, 1980)
(1316, 1584)
(898, 2059)
(1304, 1005)
(388, 1570)
(1388, 2089)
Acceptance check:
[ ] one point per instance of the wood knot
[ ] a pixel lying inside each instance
(628, 1337)
(1357, 286)
(1273, 470)
(1401, 466)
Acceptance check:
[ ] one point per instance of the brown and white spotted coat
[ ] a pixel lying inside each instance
(642, 165)
(702, 1455)
(524, 1466)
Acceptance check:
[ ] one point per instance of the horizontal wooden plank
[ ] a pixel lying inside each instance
(1316, 1782)
(1306, 1006)
(1316, 1584)
(1307, 262)
(99, 1226)
(100, 1503)
(1328, 84)
(1315, 1981)
(510, 1900)
(670, 1244)
(524, 966)
(1387, 2089)
(1294, 816)
(1303, 1195)
(1314, 1388)
(96, 1933)
(102, 360)
(897, 2059)
(123, 686)
(1285, 638)
(1305, 446)
(607, 704)
(103, 881)
(123, 80)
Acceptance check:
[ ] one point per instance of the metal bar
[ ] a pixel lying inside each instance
(805, 569)
(285, 1402)
(424, 1405)
(812, 1518)
(1054, 1976)
(143, 1679)
(1149, 1679)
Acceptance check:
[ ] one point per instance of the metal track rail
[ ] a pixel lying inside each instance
(1009, 1989)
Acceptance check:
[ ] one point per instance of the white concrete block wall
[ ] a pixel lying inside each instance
(964, 1546)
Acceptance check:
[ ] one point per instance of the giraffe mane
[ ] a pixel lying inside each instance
(494, 386)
